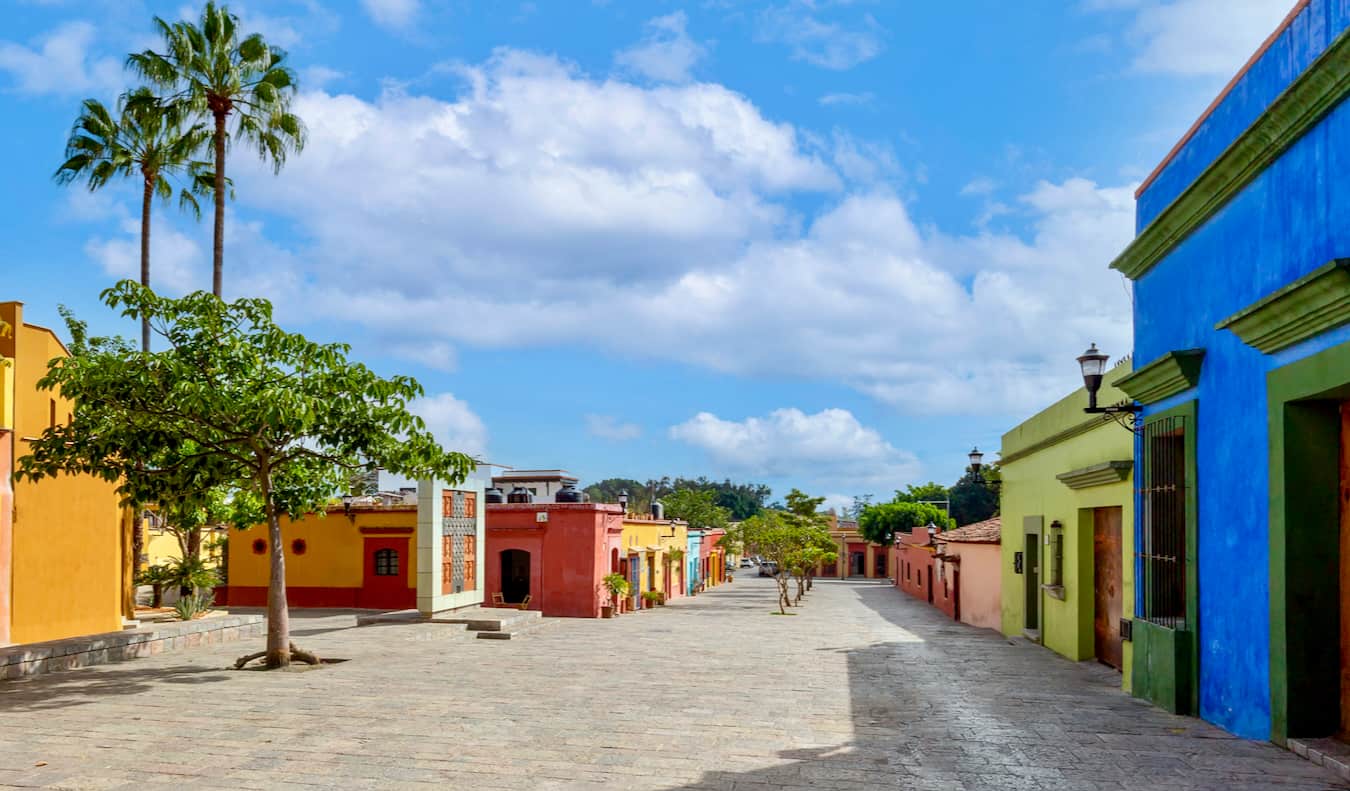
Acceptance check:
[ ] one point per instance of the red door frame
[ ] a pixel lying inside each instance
(385, 592)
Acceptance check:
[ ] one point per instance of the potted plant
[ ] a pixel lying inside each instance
(649, 599)
(156, 577)
(661, 599)
(618, 590)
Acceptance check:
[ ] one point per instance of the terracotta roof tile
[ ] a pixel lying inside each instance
(986, 532)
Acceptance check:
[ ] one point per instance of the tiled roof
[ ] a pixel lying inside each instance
(986, 532)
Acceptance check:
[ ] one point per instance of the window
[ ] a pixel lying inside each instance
(51, 414)
(299, 547)
(386, 563)
(1161, 555)
(470, 563)
(447, 565)
(260, 546)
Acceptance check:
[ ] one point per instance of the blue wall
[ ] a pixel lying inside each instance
(1291, 219)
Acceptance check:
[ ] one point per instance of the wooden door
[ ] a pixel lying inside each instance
(1345, 568)
(1106, 584)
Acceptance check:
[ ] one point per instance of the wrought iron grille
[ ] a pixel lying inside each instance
(1161, 501)
(459, 542)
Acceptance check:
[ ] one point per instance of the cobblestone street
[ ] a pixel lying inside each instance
(864, 688)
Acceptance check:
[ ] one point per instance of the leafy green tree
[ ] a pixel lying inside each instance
(145, 140)
(927, 492)
(214, 73)
(234, 401)
(882, 523)
(772, 535)
(698, 508)
(608, 490)
(973, 497)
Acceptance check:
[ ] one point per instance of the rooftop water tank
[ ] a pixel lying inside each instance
(494, 495)
(567, 494)
(520, 495)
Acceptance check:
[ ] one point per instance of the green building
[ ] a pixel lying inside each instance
(1067, 506)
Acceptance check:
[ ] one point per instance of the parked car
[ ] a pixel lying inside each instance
(768, 569)
(747, 563)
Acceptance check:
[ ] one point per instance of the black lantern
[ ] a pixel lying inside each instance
(623, 501)
(975, 458)
(1093, 364)
(347, 500)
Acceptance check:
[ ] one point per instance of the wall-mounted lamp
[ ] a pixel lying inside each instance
(347, 500)
(1093, 365)
(623, 501)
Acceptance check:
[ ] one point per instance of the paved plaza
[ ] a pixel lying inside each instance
(863, 688)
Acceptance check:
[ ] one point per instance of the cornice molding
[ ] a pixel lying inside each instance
(1313, 304)
(1097, 474)
(1164, 377)
(1296, 110)
(1069, 433)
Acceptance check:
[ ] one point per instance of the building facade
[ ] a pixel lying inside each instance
(970, 557)
(543, 485)
(556, 553)
(856, 556)
(1242, 356)
(921, 572)
(1067, 550)
(65, 542)
(427, 556)
(655, 549)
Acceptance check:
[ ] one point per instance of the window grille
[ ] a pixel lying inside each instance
(386, 563)
(1161, 500)
(447, 565)
(470, 562)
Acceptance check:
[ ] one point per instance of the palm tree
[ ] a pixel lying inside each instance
(145, 139)
(215, 74)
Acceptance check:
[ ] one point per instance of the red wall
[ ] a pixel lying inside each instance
(569, 553)
(916, 568)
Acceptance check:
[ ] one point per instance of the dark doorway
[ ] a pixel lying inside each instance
(515, 575)
(930, 585)
(1106, 584)
(1031, 572)
(880, 564)
(1345, 568)
(857, 564)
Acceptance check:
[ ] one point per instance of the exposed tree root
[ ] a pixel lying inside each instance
(296, 654)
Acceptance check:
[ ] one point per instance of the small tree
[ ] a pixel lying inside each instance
(234, 401)
(974, 498)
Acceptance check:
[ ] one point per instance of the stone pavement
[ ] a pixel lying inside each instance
(864, 688)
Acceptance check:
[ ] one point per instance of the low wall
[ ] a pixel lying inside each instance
(31, 659)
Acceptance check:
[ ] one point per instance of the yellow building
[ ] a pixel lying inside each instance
(365, 558)
(65, 555)
(654, 550)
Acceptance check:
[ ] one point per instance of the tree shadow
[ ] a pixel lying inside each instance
(90, 684)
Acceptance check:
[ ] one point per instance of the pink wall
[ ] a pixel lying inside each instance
(981, 584)
(916, 573)
(569, 553)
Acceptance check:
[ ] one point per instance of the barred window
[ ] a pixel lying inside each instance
(1161, 500)
(386, 563)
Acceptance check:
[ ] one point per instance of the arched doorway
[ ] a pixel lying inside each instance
(614, 562)
(515, 575)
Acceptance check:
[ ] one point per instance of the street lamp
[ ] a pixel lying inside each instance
(623, 501)
(347, 500)
(975, 458)
(1093, 365)
(932, 531)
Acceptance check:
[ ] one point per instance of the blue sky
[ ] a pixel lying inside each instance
(817, 243)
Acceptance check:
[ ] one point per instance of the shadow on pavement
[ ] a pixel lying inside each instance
(87, 685)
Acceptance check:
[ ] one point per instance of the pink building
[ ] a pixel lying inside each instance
(920, 573)
(972, 554)
(555, 553)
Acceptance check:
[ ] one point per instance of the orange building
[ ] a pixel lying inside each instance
(65, 560)
(857, 557)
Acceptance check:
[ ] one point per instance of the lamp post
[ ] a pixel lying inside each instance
(976, 457)
(623, 501)
(1092, 363)
(347, 500)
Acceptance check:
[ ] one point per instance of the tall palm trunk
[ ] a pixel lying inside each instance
(218, 242)
(147, 195)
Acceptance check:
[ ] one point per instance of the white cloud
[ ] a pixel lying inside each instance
(979, 186)
(656, 223)
(453, 423)
(836, 99)
(1197, 37)
(60, 63)
(318, 77)
(392, 14)
(829, 45)
(666, 53)
(609, 427)
(831, 444)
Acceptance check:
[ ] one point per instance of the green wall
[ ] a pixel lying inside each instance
(1060, 439)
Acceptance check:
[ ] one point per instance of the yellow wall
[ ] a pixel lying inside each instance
(67, 575)
(640, 535)
(334, 546)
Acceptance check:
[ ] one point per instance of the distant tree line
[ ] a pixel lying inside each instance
(740, 500)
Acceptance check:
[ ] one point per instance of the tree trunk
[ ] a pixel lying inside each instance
(218, 240)
(147, 195)
(278, 615)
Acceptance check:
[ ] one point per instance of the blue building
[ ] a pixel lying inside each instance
(691, 559)
(1241, 270)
